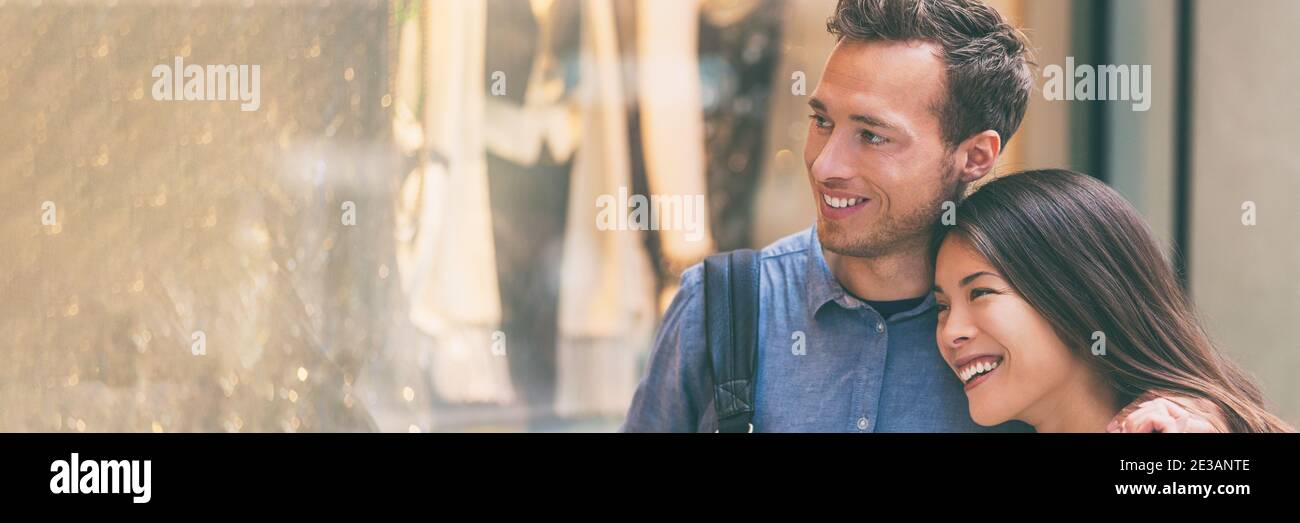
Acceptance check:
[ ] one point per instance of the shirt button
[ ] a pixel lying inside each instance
(880, 326)
(863, 423)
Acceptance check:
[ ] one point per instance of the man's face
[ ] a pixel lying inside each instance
(877, 163)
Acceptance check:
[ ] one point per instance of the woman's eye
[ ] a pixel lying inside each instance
(975, 293)
(872, 138)
(942, 307)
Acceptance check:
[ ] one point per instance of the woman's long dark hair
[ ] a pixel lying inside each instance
(1082, 256)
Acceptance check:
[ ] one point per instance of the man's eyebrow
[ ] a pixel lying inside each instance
(971, 277)
(872, 121)
(860, 118)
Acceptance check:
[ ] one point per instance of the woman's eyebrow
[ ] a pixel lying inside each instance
(971, 277)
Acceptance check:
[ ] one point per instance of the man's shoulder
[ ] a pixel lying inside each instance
(776, 256)
(795, 245)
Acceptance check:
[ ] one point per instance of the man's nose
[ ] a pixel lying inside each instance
(832, 162)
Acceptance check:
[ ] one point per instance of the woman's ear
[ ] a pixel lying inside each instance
(977, 155)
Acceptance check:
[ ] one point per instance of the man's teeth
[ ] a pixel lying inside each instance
(840, 203)
(974, 369)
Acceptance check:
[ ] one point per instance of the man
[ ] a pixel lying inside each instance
(916, 101)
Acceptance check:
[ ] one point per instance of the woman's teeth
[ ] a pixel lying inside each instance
(971, 370)
(840, 203)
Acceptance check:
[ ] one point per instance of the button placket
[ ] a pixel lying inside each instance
(864, 423)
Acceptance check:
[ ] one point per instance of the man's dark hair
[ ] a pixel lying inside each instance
(988, 62)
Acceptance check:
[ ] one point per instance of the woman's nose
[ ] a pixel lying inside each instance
(956, 330)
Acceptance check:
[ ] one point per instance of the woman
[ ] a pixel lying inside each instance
(1056, 308)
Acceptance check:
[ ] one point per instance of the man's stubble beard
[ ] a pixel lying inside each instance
(891, 234)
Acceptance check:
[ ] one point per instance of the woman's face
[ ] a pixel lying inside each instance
(1005, 352)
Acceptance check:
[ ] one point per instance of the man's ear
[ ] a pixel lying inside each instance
(976, 155)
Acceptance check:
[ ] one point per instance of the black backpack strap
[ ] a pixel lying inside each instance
(731, 328)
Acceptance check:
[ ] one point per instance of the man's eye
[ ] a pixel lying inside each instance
(872, 138)
(819, 121)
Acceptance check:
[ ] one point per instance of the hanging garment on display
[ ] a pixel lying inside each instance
(739, 51)
(607, 309)
(626, 32)
(531, 129)
(561, 151)
(672, 125)
(446, 254)
(531, 59)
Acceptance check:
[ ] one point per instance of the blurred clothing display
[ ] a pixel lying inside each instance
(532, 71)
(607, 307)
(739, 50)
(505, 239)
(706, 72)
(446, 253)
(533, 133)
(530, 125)
(671, 113)
(532, 158)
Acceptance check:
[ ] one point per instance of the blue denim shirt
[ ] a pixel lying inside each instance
(827, 361)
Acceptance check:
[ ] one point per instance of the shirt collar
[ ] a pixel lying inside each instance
(823, 288)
